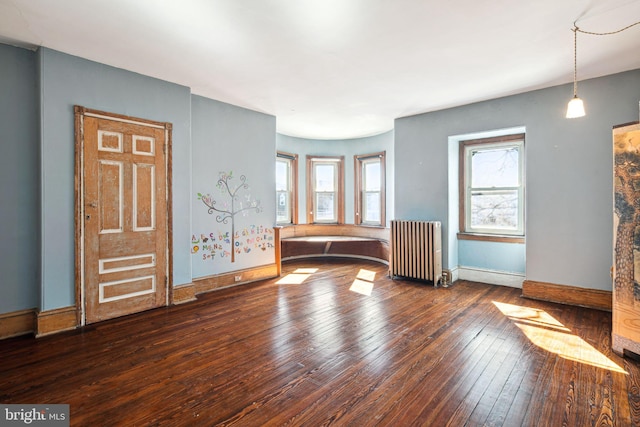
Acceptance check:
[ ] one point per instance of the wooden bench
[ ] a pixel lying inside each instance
(311, 240)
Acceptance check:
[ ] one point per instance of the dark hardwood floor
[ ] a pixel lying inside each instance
(315, 353)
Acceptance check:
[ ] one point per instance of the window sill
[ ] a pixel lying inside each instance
(491, 237)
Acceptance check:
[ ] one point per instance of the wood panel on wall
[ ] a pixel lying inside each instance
(16, 323)
(57, 320)
(239, 277)
(565, 294)
(355, 247)
(339, 240)
(184, 293)
(304, 230)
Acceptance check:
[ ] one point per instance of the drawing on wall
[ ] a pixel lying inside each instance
(212, 244)
(626, 238)
(625, 331)
(235, 204)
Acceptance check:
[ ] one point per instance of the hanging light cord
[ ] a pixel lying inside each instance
(577, 30)
(575, 60)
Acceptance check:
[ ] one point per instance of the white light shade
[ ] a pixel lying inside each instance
(575, 108)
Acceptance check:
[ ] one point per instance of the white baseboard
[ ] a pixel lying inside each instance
(454, 275)
(493, 277)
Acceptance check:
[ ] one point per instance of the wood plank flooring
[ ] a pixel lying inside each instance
(316, 353)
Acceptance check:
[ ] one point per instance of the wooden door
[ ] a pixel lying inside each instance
(123, 212)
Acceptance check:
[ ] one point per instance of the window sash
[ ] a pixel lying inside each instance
(286, 199)
(368, 183)
(283, 207)
(326, 195)
(320, 174)
(497, 213)
(283, 167)
(370, 191)
(325, 206)
(371, 207)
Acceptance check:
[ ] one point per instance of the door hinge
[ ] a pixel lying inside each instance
(166, 281)
(164, 148)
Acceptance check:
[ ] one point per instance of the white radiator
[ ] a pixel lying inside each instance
(416, 250)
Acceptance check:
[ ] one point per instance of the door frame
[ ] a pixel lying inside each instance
(79, 114)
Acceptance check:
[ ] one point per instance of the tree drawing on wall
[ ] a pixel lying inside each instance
(227, 210)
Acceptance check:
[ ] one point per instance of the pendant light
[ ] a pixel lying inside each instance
(575, 108)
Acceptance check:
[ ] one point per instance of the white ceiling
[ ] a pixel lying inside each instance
(332, 69)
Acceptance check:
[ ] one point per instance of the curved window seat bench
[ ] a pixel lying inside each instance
(351, 241)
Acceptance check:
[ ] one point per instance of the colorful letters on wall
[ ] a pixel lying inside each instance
(209, 245)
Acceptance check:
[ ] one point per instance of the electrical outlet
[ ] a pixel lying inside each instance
(238, 278)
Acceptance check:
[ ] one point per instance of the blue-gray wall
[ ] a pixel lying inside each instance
(478, 255)
(340, 147)
(66, 81)
(492, 256)
(38, 92)
(568, 172)
(19, 181)
(229, 139)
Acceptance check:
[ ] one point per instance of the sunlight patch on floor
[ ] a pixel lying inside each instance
(365, 274)
(297, 277)
(361, 287)
(548, 333)
(363, 284)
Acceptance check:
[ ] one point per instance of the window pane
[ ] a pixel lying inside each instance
(495, 210)
(372, 207)
(372, 176)
(324, 177)
(325, 207)
(282, 175)
(283, 210)
(496, 167)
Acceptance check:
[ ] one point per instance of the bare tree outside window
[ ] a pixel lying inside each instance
(494, 194)
(493, 187)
